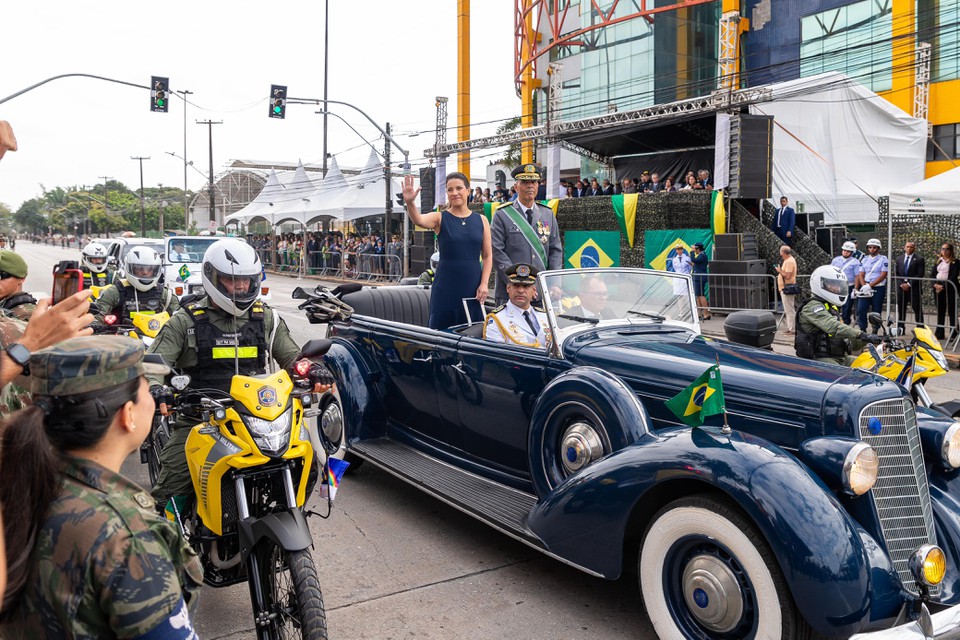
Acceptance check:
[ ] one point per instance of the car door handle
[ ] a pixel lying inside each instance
(459, 367)
(429, 358)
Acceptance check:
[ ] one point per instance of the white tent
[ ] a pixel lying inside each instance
(938, 195)
(837, 146)
(260, 206)
(364, 196)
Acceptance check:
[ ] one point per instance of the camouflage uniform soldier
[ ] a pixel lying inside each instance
(13, 299)
(102, 564)
(13, 397)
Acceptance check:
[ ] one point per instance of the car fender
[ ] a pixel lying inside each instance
(363, 411)
(839, 577)
(620, 413)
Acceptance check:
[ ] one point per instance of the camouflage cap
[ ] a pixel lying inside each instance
(12, 263)
(82, 365)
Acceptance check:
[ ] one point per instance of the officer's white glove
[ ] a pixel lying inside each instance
(866, 291)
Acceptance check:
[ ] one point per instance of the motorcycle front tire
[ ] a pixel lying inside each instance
(291, 592)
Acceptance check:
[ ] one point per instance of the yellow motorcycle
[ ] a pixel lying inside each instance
(253, 467)
(144, 325)
(910, 362)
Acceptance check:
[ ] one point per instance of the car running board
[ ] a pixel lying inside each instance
(502, 507)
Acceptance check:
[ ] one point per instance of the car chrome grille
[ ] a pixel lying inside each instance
(901, 494)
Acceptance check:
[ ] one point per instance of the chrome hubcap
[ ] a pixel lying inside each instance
(580, 446)
(331, 423)
(712, 593)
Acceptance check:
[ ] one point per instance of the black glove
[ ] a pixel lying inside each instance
(161, 394)
(872, 338)
(319, 374)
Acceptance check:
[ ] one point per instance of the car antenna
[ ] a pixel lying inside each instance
(233, 294)
(726, 424)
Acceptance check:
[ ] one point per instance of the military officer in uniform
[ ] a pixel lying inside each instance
(821, 333)
(88, 555)
(13, 299)
(207, 336)
(518, 321)
(525, 231)
(141, 289)
(426, 278)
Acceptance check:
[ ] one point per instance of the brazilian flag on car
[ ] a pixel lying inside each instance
(703, 398)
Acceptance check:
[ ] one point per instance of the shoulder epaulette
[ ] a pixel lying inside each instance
(199, 313)
(538, 308)
(500, 308)
(257, 310)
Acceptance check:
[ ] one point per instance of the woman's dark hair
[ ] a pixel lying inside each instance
(456, 175)
(31, 442)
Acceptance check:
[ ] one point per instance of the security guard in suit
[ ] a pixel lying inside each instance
(525, 231)
(518, 321)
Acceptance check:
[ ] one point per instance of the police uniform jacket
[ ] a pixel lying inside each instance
(106, 565)
(507, 324)
(115, 297)
(510, 246)
(850, 267)
(872, 266)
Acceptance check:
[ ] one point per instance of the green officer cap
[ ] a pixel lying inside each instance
(12, 263)
(522, 273)
(528, 172)
(82, 365)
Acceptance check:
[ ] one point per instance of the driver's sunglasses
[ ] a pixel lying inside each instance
(4, 275)
(599, 294)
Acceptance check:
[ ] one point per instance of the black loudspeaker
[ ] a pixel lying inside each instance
(809, 222)
(427, 188)
(831, 238)
(735, 246)
(751, 156)
(737, 267)
(723, 296)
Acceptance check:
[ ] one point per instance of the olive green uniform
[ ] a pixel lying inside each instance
(110, 298)
(178, 346)
(819, 317)
(106, 565)
(14, 396)
(21, 311)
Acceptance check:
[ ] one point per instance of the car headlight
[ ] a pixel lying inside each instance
(860, 469)
(950, 450)
(940, 358)
(928, 565)
(271, 436)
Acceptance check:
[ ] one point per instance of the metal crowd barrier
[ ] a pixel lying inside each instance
(351, 265)
(736, 292)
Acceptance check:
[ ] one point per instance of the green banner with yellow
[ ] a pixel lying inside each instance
(658, 246)
(589, 249)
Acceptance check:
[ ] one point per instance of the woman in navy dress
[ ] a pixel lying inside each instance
(463, 237)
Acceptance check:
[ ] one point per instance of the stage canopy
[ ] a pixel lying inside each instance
(937, 195)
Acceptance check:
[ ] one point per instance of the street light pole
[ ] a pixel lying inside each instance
(106, 197)
(186, 214)
(326, 74)
(143, 214)
(213, 209)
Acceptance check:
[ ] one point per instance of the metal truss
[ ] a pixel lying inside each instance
(549, 18)
(728, 70)
(921, 94)
(441, 133)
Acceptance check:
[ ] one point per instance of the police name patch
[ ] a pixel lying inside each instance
(267, 396)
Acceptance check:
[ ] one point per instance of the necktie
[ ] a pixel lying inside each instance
(906, 265)
(529, 214)
(779, 215)
(532, 322)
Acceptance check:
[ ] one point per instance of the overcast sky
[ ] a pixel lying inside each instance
(389, 58)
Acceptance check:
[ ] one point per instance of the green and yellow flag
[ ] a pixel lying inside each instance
(718, 215)
(551, 203)
(625, 208)
(587, 249)
(704, 397)
(490, 208)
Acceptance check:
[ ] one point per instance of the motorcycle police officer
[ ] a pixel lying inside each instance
(140, 289)
(821, 333)
(208, 335)
(93, 259)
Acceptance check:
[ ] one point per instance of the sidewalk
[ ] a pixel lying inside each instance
(946, 387)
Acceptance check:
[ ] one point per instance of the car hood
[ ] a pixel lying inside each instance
(764, 391)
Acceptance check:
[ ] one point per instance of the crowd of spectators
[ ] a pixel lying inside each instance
(353, 254)
(648, 182)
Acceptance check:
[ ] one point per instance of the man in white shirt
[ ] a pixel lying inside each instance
(518, 322)
(179, 252)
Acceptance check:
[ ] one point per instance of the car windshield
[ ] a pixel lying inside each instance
(156, 245)
(591, 296)
(188, 249)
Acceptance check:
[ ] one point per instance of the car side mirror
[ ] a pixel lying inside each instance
(316, 347)
(300, 294)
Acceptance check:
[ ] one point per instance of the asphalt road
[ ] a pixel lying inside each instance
(395, 564)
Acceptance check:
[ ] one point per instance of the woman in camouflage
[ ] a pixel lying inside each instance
(87, 555)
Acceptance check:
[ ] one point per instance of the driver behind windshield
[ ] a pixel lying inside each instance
(518, 321)
(593, 299)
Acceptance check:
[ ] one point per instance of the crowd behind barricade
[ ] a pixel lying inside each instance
(348, 255)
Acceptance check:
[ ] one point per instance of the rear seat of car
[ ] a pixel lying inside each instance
(406, 304)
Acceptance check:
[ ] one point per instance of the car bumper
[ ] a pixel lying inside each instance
(943, 625)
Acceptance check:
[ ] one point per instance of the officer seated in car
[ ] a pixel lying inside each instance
(518, 321)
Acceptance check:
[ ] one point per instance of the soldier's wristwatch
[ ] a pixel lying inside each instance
(21, 355)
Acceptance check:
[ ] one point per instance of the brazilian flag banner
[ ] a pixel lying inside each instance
(625, 208)
(703, 398)
(718, 214)
(551, 203)
(586, 249)
(658, 246)
(490, 208)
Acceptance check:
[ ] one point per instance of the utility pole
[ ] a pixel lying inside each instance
(143, 214)
(186, 213)
(213, 208)
(326, 74)
(386, 178)
(106, 196)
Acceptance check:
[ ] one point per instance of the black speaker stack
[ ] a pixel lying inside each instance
(751, 156)
(831, 238)
(421, 250)
(737, 274)
(809, 222)
(427, 189)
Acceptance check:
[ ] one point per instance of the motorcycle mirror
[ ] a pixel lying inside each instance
(874, 319)
(896, 331)
(300, 294)
(316, 347)
(180, 382)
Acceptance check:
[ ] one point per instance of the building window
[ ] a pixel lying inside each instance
(938, 23)
(947, 137)
(854, 39)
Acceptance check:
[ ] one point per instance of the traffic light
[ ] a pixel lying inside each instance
(159, 94)
(278, 101)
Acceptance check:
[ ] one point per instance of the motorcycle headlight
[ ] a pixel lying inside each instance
(950, 450)
(271, 436)
(860, 469)
(940, 358)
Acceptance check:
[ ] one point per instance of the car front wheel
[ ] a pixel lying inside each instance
(706, 572)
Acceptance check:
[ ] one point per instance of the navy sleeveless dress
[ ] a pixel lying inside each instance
(458, 274)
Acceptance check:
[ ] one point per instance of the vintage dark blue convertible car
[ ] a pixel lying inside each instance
(832, 505)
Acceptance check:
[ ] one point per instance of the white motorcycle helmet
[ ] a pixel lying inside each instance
(141, 268)
(435, 260)
(231, 275)
(873, 242)
(94, 257)
(849, 246)
(828, 283)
